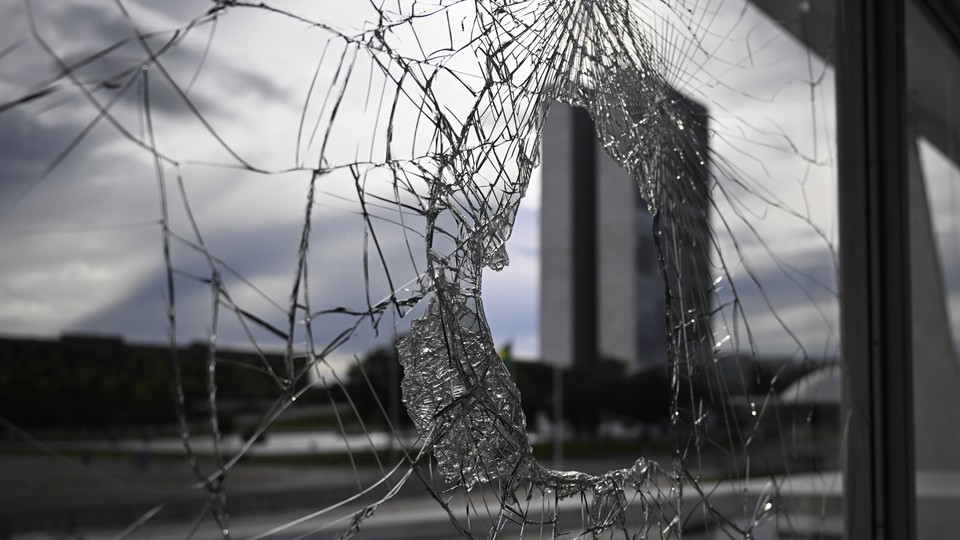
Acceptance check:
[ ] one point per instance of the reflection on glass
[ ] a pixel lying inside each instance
(941, 176)
(934, 153)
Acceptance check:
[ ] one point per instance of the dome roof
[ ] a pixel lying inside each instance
(819, 387)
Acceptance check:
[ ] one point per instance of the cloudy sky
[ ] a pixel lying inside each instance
(80, 200)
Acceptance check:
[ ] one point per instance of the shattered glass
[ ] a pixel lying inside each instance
(311, 180)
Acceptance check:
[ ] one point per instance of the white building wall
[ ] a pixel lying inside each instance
(556, 239)
(616, 260)
(630, 298)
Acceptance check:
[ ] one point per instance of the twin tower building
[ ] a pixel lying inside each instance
(618, 282)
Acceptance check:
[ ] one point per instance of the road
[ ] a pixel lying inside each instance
(281, 502)
(415, 519)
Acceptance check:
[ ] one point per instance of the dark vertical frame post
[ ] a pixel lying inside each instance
(584, 253)
(874, 265)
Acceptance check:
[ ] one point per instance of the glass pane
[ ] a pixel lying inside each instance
(271, 269)
(934, 116)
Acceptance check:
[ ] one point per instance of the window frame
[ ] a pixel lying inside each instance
(879, 465)
(879, 477)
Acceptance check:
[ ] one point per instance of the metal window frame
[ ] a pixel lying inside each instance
(879, 467)
(879, 497)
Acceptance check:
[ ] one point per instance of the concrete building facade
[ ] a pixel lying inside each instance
(603, 294)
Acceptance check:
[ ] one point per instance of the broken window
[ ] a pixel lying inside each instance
(308, 183)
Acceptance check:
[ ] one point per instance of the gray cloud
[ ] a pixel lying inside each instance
(114, 281)
(79, 31)
(264, 255)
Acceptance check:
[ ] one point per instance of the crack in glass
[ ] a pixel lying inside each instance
(415, 144)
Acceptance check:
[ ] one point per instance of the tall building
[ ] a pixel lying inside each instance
(603, 293)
